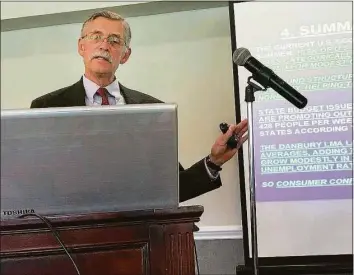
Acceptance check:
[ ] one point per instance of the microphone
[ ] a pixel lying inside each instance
(267, 78)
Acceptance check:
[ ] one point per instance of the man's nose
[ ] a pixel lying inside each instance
(104, 45)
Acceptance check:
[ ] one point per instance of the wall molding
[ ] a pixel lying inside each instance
(219, 232)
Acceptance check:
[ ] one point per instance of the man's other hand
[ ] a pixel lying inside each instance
(220, 153)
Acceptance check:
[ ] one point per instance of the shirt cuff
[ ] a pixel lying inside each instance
(212, 173)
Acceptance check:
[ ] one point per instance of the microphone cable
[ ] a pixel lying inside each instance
(55, 234)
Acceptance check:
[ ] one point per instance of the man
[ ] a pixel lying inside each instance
(104, 45)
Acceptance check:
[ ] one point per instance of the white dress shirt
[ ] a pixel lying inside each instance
(93, 99)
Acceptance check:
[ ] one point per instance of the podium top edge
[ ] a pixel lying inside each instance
(187, 213)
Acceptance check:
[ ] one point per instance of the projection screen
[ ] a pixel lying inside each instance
(303, 157)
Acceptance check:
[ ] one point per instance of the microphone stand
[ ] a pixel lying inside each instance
(251, 88)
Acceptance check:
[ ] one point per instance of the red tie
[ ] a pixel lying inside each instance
(103, 93)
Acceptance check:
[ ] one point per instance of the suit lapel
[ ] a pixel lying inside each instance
(128, 96)
(76, 95)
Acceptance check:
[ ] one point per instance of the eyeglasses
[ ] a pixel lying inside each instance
(113, 40)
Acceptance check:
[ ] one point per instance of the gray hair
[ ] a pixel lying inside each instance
(112, 16)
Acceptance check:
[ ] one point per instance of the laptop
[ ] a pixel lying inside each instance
(77, 160)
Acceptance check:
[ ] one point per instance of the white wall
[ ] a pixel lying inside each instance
(182, 57)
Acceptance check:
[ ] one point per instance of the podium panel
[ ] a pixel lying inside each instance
(130, 243)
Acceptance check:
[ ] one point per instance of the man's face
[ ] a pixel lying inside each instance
(102, 46)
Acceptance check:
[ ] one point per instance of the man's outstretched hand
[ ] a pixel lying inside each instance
(220, 153)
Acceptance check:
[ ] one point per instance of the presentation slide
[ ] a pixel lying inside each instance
(303, 157)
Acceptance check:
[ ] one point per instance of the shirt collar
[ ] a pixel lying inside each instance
(91, 88)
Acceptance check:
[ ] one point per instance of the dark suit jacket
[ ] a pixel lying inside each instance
(193, 181)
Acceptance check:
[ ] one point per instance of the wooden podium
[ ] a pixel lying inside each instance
(158, 242)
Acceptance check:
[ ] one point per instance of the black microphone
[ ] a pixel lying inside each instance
(267, 78)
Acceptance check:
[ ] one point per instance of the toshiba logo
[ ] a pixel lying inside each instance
(17, 212)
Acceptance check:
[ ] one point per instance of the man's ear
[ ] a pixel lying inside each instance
(80, 47)
(126, 55)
